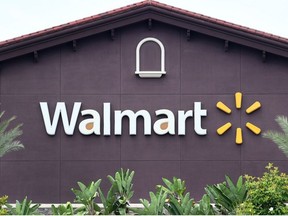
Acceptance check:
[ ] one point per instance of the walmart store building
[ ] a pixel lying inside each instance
(139, 87)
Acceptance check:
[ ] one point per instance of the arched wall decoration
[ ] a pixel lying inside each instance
(150, 74)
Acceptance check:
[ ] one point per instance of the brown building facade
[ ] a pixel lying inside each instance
(93, 62)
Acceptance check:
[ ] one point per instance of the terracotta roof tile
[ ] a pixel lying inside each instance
(135, 6)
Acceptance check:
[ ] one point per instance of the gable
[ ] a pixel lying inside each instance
(147, 11)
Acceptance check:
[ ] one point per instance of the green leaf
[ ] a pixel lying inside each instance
(176, 206)
(231, 185)
(111, 179)
(145, 203)
(239, 182)
(119, 184)
(18, 207)
(8, 139)
(103, 199)
(81, 186)
(281, 139)
(167, 182)
(97, 184)
(283, 123)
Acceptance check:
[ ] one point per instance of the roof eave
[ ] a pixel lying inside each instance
(227, 33)
(73, 33)
(139, 14)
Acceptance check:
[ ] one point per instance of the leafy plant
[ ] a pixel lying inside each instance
(245, 208)
(227, 197)
(66, 209)
(3, 202)
(108, 201)
(281, 139)
(24, 208)
(122, 189)
(204, 207)
(155, 206)
(183, 206)
(177, 202)
(8, 138)
(268, 194)
(86, 195)
(176, 188)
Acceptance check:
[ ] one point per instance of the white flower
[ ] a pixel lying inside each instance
(271, 209)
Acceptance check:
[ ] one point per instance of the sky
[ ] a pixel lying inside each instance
(19, 17)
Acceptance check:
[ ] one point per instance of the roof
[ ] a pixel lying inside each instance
(148, 9)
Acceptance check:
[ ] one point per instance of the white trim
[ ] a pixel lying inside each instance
(77, 205)
(150, 74)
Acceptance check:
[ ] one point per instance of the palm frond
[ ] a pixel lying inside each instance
(283, 123)
(14, 146)
(279, 138)
(8, 139)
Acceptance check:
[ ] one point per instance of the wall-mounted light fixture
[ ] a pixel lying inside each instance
(150, 74)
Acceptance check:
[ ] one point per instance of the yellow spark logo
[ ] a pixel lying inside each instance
(238, 103)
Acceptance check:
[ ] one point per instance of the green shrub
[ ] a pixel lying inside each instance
(108, 201)
(23, 208)
(86, 195)
(227, 196)
(122, 190)
(178, 202)
(155, 206)
(204, 207)
(246, 208)
(3, 202)
(176, 188)
(267, 195)
(182, 206)
(66, 209)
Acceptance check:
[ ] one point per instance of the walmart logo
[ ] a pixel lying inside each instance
(238, 103)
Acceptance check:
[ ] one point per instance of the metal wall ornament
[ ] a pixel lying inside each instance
(238, 103)
(150, 74)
